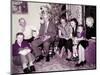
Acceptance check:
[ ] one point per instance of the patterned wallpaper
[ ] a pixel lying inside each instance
(74, 11)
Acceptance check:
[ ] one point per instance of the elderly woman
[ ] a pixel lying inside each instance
(91, 37)
(90, 28)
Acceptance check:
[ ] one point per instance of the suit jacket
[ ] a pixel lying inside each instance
(51, 31)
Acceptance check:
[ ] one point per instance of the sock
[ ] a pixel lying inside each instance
(25, 66)
(74, 55)
(31, 63)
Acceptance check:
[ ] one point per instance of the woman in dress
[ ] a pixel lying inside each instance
(64, 31)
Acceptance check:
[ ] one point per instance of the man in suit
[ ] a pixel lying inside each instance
(46, 36)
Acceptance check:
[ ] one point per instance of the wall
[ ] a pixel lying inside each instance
(32, 18)
(75, 12)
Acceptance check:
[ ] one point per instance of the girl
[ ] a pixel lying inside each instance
(81, 46)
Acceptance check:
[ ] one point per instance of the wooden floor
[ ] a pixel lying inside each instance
(56, 63)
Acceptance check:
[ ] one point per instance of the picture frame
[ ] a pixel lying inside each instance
(19, 7)
(34, 15)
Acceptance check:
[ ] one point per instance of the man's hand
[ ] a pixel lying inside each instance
(46, 37)
(25, 51)
(36, 37)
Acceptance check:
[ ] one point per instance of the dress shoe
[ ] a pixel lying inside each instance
(26, 70)
(83, 62)
(39, 58)
(68, 59)
(77, 65)
(32, 68)
(75, 58)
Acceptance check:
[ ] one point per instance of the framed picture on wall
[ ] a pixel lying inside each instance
(52, 37)
(19, 7)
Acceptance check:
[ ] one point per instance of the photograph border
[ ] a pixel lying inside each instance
(53, 3)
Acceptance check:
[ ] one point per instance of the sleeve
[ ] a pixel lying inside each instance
(59, 27)
(70, 31)
(14, 50)
(59, 33)
(94, 32)
(27, 45)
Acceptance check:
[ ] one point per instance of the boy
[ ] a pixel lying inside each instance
(22, 49)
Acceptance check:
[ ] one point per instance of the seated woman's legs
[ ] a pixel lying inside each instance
(61, 44)
(24, 62)
(81, 53)
(68, 47)
(31, 59)
(75, 53)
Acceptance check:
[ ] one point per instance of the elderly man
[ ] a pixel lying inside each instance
(46, 36)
